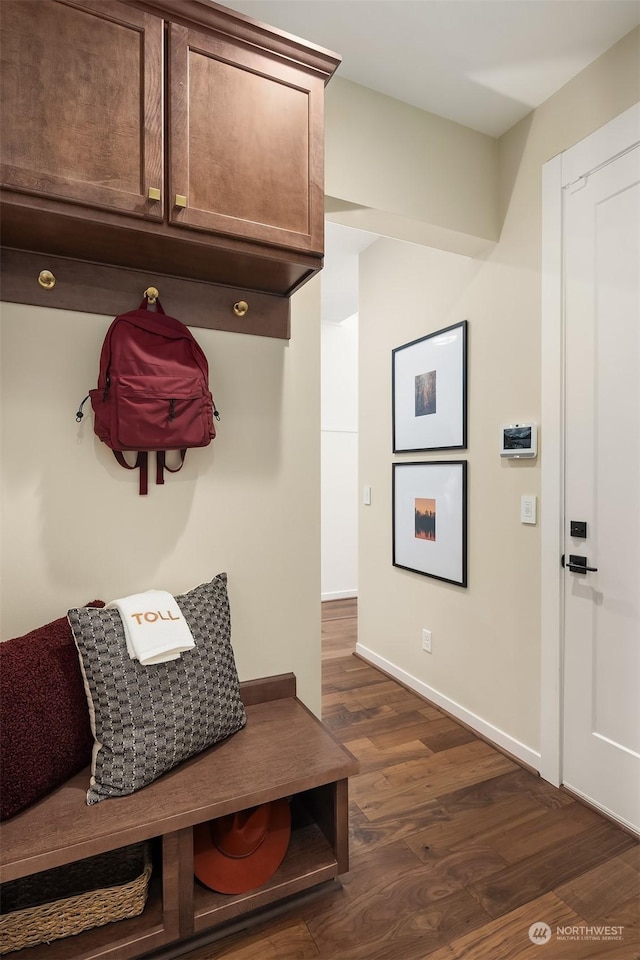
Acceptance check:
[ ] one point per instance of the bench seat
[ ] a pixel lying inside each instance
(283, 751)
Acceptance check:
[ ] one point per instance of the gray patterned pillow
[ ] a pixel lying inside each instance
(145, 720)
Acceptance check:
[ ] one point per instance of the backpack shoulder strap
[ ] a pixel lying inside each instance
(142, 461)
(161, 464)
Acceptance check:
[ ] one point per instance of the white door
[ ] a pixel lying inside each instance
(601, 666)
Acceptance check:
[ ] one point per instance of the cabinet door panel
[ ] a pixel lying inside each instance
(245, 143)
(82, 103)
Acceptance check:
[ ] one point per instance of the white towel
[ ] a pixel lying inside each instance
(154, 626)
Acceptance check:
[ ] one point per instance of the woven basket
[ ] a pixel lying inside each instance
(81, 903)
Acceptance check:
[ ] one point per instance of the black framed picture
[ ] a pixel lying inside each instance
(429, 391)
(430, 519)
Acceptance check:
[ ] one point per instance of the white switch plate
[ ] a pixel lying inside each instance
(366, 496)
(528, 509)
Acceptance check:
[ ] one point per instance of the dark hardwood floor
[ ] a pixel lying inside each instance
(456, 850)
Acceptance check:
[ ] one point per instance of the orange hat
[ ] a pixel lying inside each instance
(243, 850)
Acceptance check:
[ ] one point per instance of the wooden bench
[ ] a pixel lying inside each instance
(283, 751)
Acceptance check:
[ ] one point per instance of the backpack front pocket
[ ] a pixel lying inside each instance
(159, 413)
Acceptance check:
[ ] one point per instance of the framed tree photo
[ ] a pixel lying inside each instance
(430, 519)
(429, 392)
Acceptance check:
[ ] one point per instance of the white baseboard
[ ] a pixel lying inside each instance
(633, 828)
(339, 595)
(501, 739)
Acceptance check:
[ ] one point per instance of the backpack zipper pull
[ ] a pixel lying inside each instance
(79, 413)
(215, 412)
(172, 409)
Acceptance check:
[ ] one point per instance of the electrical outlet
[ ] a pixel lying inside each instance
(426, 640)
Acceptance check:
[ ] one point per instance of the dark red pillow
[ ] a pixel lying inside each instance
(45, 734)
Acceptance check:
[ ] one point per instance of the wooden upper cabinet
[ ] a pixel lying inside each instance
(97, 93)
(84, 121)
(245, 143)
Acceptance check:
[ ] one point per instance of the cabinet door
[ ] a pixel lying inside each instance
(82, 103)
(245, 143)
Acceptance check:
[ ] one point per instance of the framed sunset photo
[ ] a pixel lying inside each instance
(429, 392)
(430, 519)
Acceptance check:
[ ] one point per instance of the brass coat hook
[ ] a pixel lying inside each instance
(46, 279)
(152, 294)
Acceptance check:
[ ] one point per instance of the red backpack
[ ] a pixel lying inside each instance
(153, 391)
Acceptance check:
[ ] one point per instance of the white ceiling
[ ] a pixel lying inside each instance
(483, 63)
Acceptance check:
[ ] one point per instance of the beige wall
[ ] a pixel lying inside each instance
(395, 170)
(486, 639)
(74, 527)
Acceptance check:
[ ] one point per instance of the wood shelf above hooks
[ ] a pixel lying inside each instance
(106, 290)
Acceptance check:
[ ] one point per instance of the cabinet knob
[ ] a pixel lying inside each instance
(46, 279)
(180, 201)
(240, 308)
(154, 193)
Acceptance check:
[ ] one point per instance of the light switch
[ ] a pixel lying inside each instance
(366, 496)
(528, 509)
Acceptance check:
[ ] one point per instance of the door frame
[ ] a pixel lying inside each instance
(599, 148)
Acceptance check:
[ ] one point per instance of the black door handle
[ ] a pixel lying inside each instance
(578, 564)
